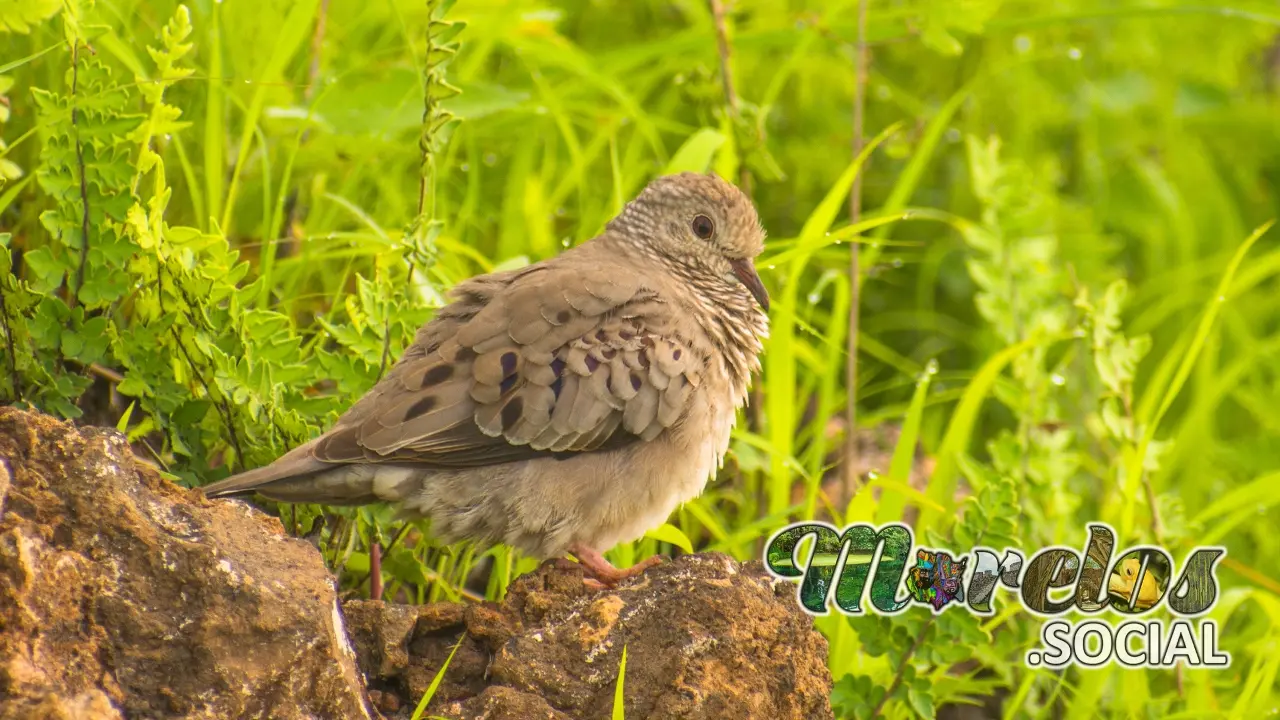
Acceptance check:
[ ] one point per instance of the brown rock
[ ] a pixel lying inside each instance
(123, 595)
(706, 637)
(381, 633)
(503, 703)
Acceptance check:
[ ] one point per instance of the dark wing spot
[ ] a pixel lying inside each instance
(557, 385)
(563, 316)
(643, 358)
(420, 408)
(464, 355)
(508, 382)
(437, 375)
(512, 413)
(509, 360)
(601, 335)
(676, 354)
(592, 364)
(626, 334)
(608, 353)
(647, 341)
(557, 367)
(340, 445)
(636, 382)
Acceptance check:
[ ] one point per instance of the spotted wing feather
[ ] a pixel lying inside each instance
(558, 359)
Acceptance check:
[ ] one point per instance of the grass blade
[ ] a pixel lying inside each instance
(293, 31)
(617, 691)
(435, 681)
(214, 117)
(892, 505)
(956, 439)
(780, 354)
(1134, 467)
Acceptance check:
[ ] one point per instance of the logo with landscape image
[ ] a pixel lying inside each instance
(880, 569)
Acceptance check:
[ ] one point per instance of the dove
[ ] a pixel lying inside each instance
(567, 406)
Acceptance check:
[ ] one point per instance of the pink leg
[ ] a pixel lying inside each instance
(601, 572)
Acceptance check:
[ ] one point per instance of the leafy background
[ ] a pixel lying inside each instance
(222, 221)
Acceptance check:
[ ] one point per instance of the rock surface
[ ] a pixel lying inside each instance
(705, 636)
(123, 595)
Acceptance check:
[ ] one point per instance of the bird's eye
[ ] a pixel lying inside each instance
(703, 227)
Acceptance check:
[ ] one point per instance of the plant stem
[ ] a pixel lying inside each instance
(12, 354)
(855, 270)
(902, 666)
(317, 42)
(84, 183)
(375, 570)
(725, 50)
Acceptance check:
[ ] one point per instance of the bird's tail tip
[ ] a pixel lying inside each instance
(241, 484)
(298, 481)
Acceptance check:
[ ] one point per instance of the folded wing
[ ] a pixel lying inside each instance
(560, 359)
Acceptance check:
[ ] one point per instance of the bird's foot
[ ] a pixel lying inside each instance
(601, 574)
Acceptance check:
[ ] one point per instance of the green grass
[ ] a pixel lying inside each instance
(618, 709)
(1058, 316)
(421, 707)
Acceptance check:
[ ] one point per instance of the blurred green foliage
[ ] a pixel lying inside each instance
(221, 224)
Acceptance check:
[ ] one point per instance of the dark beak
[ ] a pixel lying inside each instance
(746, 273)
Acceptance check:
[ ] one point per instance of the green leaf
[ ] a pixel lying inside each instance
(1236, 506)
(669, 533)
(919, 695)
(696, 153)
(20, 16)
(936, 37)
(47, 271)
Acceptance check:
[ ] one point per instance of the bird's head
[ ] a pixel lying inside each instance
(702, 223)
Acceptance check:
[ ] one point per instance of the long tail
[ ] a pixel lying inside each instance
(298, 477)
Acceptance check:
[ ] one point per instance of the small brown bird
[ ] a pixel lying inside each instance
(567, 406)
